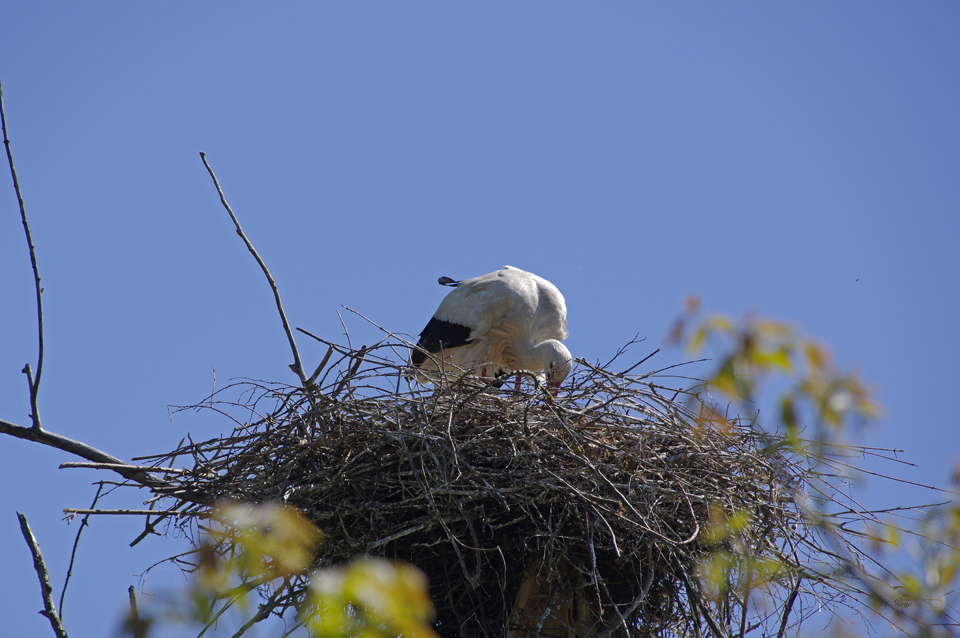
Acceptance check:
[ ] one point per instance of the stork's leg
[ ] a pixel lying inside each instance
(517, 385)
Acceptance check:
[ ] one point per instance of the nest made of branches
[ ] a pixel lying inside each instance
(608, 492)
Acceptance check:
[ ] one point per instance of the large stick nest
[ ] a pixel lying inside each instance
(606, 491)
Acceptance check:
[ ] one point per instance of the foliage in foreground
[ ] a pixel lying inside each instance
(818, 409)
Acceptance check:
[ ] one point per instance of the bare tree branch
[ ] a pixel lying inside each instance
(45, 589)
(297, 366)
(60, 442)
(34, 381)
(92, 454)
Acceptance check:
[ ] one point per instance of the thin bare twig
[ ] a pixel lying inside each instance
(788, 607)
(297, 366)
(745, 598)
(346, 333)
(33, 381)
(73, 553)
(45, 589)
(71, 511)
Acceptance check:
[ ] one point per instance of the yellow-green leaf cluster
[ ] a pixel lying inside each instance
(754, 349)
(732, 562)
(274, 541)
(256, 544)
(370, 598)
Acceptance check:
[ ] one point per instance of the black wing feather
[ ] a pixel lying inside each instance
(437, 336)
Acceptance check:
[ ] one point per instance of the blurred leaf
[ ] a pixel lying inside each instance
(276, 540)
(726, 379)
(818, 359)
(696, 341)
(778, 359)
(370, 597)
(722, 525)
(788, 412)
(710, 419)
(720, 323)
(769, 328)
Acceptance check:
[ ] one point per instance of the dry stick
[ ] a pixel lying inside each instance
(629, 610)
(149, 527)
(262, 613)
(101, 466)
(121, 466)
(73, 554)
(235, 594)
(323, 364)
(746, 598)
(92, 454)
(297, 366)
(345, 331)
(34, 381)
(873, 586)
(45, 589)
(352, 371)
(405, 342)
(703, 609)
(788, 607)
(638, 363)
(71, 511)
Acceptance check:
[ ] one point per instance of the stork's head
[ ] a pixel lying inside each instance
(557, 362)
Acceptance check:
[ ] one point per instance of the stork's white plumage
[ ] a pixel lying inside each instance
(497, 323)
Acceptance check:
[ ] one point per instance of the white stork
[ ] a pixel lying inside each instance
(495, 324)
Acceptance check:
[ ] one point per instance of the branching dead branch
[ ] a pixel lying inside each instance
(33, 381)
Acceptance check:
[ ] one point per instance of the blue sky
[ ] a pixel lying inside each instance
(798, 160)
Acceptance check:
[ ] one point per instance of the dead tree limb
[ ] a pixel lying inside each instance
(92, 454)
(45, 589)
